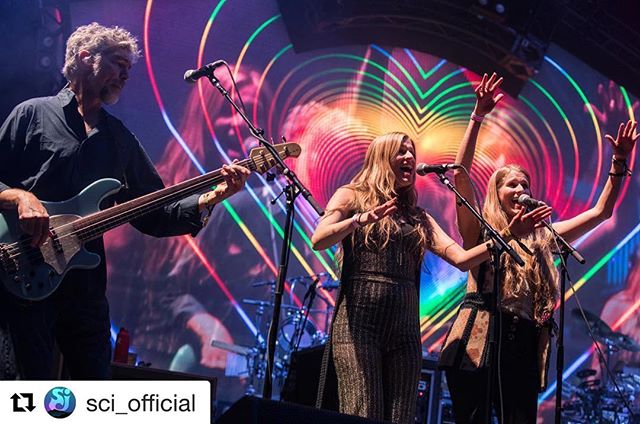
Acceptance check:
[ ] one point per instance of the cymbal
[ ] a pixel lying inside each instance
(625, 342)
(268, 304)
(326, 283)
(600, 328)
(256, 302)
(604, 334)
(264, 283)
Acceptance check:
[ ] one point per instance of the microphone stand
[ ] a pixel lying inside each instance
(566, 249)
(499, 246)
(291, 190)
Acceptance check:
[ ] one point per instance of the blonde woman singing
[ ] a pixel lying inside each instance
(528, 294)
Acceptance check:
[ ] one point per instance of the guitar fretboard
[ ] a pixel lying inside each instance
(94, 225)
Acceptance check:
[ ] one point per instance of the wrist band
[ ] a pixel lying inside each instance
(355, 220)
(625, 168)
(477, 118)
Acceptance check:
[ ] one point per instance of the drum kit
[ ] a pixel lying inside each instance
(303, 325)
(609, 400)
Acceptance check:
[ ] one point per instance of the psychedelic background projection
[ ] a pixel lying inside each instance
(333, 102)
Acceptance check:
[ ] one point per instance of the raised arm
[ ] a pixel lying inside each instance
(340, 221)
(486, 100)
(623, 145)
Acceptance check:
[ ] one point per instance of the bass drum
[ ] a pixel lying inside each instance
(291, 331)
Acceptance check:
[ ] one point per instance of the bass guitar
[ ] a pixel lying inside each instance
(34, 273)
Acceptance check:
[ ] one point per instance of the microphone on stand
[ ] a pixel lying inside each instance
(424, 169)
(192, 75)
(530, 202)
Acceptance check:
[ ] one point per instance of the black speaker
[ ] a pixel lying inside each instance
(301, 385)
(252, 410)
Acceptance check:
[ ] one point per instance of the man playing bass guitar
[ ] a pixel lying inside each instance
(51, 148)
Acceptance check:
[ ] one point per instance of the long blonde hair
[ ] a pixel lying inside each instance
(374, 184)
(538, 276)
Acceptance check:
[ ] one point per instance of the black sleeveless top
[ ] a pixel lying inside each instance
(399, 260)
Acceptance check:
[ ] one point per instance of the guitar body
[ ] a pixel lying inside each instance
(35, 273)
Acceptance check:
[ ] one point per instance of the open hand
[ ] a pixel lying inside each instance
(625, 140)
(522, 224)
(377, 213)
(486, 97)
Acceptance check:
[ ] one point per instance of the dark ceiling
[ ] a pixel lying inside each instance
(509, 36)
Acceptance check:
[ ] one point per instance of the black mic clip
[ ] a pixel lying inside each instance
(192, 75)
(424, 169)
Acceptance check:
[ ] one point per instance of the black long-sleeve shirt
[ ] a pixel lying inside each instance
(44, 149)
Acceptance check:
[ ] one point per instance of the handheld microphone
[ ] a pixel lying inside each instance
(530, 202)
(192, 75)
(424, 169)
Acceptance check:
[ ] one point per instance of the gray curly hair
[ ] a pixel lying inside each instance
(96, 38)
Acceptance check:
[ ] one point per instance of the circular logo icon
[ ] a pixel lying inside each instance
(59, 402)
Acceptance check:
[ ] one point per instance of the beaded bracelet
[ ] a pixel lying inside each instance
(477, 118)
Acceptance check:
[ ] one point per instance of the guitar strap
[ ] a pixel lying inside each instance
(122, 152)
(321, 397)
(326, 357)
(8, 367)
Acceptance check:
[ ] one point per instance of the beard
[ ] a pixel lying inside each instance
(109, 95)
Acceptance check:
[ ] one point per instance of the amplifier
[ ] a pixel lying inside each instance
(301, 385)
(429, 410)
(253, 410)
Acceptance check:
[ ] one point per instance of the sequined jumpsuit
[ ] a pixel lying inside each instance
(376, 333)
